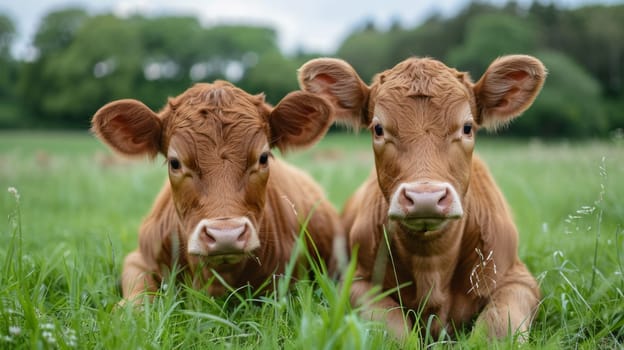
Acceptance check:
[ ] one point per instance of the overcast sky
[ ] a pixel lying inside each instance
(314, 25)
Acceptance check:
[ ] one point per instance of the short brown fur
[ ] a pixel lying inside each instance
(426, 114)
(218, 133)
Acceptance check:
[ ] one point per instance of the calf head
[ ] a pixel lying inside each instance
(423, 117)
(216, 139)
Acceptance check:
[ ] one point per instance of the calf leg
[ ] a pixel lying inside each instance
(512, 304)
(136, 277)
(385, 310)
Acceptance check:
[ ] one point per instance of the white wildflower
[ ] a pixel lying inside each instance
(6, 339)
(13, 191)
(48, 326)
(15, 330)
(70, 338)
(48, 337)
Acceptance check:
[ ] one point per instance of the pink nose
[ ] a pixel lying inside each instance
(225, 236)
(425, 200)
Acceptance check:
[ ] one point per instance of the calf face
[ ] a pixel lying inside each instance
(216, 140)
(423, 117)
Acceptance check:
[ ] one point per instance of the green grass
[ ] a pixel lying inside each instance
(63, 241)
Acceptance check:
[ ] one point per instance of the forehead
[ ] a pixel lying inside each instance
(216, 113)
(425, 84)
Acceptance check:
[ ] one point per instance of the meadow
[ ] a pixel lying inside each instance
(70, 212)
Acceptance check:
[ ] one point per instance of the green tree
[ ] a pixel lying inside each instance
(230, 46)
(100, 64)
(55, 33)
(430, 40)
(193, 53)
(604, 54)
(274, 75)
(168, 47)
(58, 29)
(570, 104)
(7, 34)
(86, 61)
(436, 36)
(367, 51)
(490, 36)
(592, 36)
(8, 73)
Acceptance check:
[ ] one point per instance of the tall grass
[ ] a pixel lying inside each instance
(78, 211)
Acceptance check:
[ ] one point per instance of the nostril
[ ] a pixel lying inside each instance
(445, 200)
(407, 199)
(209, 237)
(243, 235)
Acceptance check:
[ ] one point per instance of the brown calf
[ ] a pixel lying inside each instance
(450, 232)
(229, 206)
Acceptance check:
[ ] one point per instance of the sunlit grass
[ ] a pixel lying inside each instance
(79, 208)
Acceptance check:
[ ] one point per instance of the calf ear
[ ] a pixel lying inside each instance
(300, 119)
(337, 81)
(128, 127)
(508, 88)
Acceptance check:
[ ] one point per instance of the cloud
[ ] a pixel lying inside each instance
(295, 28)
(317, 25)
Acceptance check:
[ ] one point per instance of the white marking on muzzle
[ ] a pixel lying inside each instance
(197, 247)
(425, 205)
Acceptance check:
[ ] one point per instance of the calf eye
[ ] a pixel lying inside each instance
(175, 164)
(467, 129)
(379, 131)
(264, 158)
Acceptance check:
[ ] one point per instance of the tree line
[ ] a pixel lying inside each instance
(81, 61)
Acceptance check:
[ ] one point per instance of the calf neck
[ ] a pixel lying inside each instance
(449, 231)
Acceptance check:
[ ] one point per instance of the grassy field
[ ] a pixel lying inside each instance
(77, 210)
